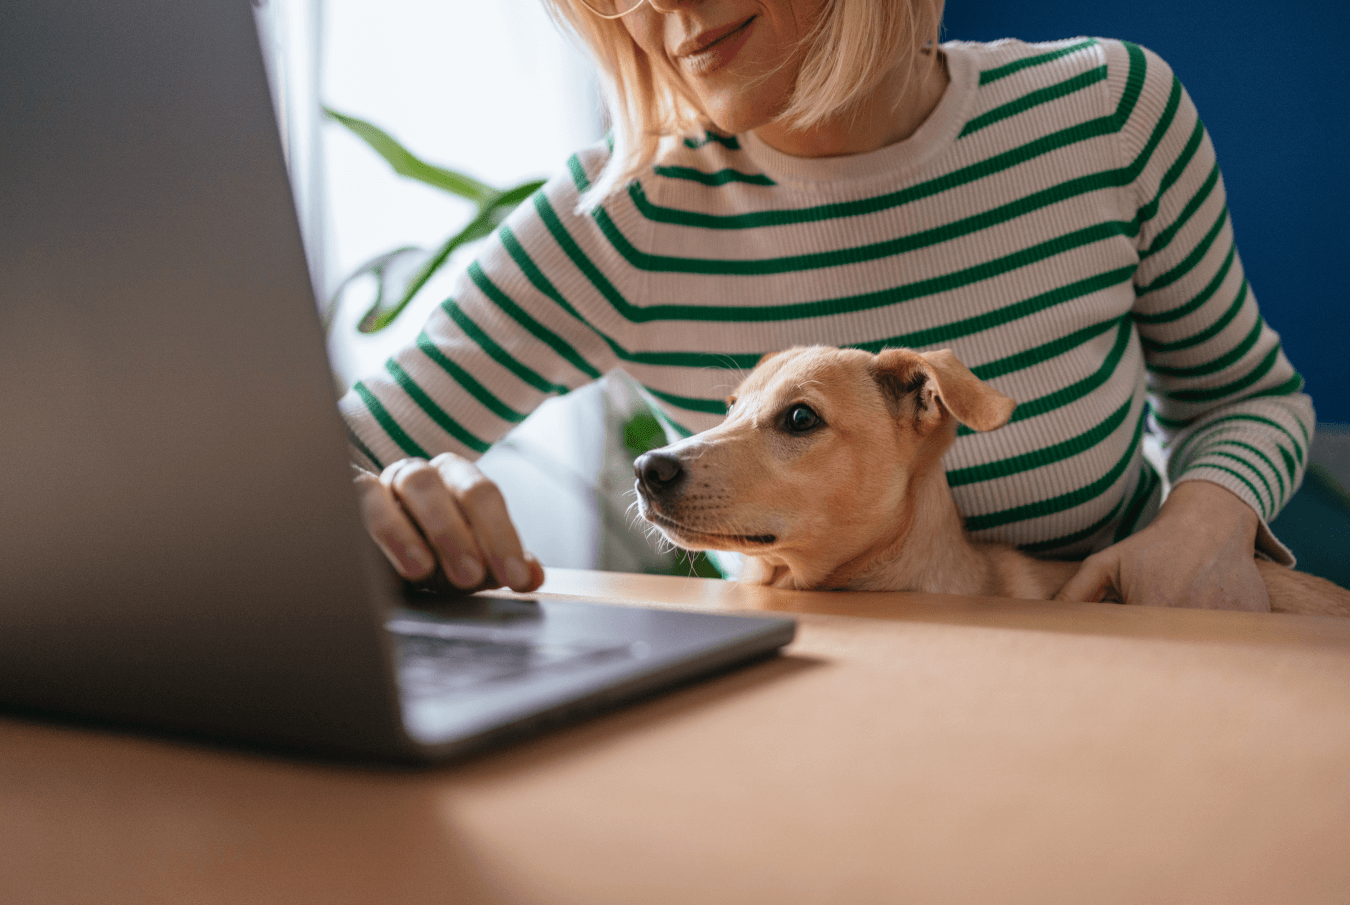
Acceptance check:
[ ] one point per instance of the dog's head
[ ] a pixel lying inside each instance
(819, 449)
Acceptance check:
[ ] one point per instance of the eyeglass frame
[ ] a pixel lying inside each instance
(612, 16)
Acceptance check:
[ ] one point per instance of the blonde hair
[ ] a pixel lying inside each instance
(853, 46)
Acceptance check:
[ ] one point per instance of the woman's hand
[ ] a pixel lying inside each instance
(1197, 553)
(445, 519)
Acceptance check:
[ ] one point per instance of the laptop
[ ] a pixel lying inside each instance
(180, 547)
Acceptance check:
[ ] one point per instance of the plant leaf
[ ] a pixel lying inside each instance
(405, 163)
(489, 217)
(493, 207)
(390, 272)
(479, 227)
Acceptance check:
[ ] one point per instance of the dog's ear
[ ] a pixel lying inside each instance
(973, 402)
(941, 384)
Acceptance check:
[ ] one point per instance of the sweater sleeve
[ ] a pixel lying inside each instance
(516, 330)
(1226, 403)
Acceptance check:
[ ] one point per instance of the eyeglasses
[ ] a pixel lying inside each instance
(613, 9)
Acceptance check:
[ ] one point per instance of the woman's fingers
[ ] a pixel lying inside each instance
(483, 508)
(446, 513)
(1092, 583)
(536, 572)
(392, 530)
(422, 493)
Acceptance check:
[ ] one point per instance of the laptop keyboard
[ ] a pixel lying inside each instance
(444, 658)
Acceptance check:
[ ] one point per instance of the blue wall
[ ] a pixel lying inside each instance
(1272, 84)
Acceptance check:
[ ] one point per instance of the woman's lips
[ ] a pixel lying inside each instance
(712, 50)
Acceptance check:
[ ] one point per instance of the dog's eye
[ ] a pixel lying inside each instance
(800, 418)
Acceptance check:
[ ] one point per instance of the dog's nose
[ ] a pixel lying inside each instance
(658, 472)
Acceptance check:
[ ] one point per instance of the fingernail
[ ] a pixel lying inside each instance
(517, 573)
(416, 563)
(468, 572)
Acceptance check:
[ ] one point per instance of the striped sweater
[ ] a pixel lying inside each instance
(1058, 221)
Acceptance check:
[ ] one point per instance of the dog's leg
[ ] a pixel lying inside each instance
(758, 571)
(1299, 592)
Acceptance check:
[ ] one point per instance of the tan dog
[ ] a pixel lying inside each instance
(827, 473)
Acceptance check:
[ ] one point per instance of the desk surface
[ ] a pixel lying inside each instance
(906, 748)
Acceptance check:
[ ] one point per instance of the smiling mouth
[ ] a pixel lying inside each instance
(663, 521)
(703, 55)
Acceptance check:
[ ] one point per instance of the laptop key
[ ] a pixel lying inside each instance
(442, 663)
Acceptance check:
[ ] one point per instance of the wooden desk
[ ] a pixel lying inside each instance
(908, 749)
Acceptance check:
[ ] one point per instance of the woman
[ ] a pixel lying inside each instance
(788, 172)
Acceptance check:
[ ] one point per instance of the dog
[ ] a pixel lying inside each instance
(827, 474)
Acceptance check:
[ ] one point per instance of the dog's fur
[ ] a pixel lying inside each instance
(859, 500)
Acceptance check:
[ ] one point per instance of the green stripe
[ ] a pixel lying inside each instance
(721, 177)
(1165, 237)
(1179, 165)
(1042, 353)
(386, 421)
(989, 319)
(988, 371)
(1255, 493)
(573, 251)
(984, 271)
(497, 353)
(1228, 389)
(1218, 425)
(1034, 459)
(1077, 536)
(1134, 84)
(579, 177)
(1208, 333)
(1104, 125)
(432, 410)
(727, 141)
(737, 361)
(536, 276)
(467, 381)
(1063, 501)
(1201, 463)
(1288, 460)
(1219, 363)
(1191, 260)
(787, 216)
(999, 72)
(1074, 391)
(675, 426)
(660, 359)
(1279, 478)
(1035, 99)
(710, 406)
(536, 329)
(848, 304)
(745, 361)
(1148, 482)
(363, 449)
(1205, 295)
(654, 263)
(1288, 388)
(1160, 129)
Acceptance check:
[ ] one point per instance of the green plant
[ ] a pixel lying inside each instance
(492, 207)
(642, 433)
(401, 273)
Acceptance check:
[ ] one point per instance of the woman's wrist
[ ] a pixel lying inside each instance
(1211, 509)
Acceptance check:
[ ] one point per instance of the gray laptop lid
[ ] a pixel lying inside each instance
(179, 541)
(152, 273)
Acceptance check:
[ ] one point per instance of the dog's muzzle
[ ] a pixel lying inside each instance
(659, 475)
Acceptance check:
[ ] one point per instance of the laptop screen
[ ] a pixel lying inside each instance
(171, 443)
